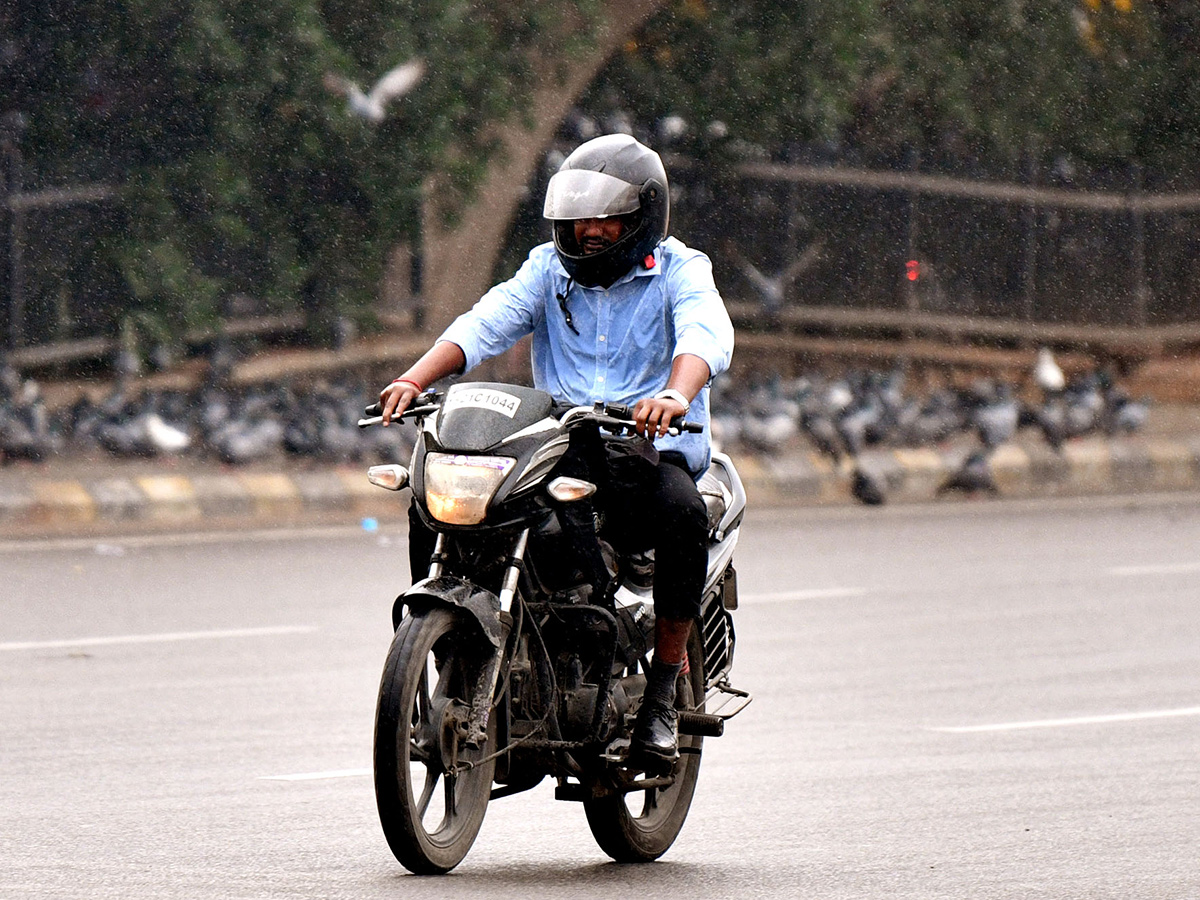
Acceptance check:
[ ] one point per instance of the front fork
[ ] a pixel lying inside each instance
(485, 687)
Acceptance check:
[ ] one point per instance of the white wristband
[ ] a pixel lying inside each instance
(677, 396)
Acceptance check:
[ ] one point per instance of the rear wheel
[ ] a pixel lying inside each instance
(431, 788)
(640, 826)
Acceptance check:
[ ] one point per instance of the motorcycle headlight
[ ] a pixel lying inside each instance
(458, 488)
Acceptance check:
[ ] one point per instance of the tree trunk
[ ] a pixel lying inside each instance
(458, 260)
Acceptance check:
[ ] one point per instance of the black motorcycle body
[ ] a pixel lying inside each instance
(507, 664)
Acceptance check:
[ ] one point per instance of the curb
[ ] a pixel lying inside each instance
(40, 502)
(1084, 467)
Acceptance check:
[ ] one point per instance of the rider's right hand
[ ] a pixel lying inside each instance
(395, 399)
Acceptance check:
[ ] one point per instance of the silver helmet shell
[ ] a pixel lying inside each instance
(612, 175)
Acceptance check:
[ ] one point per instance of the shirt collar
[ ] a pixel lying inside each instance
(637, 271)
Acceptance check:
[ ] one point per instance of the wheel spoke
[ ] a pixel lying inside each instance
(651, 801)
(451, 803)
(422, 706)
(422, 738)
(441, 667)
(431, 779)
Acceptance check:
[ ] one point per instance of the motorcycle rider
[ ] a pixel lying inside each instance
(619, 312)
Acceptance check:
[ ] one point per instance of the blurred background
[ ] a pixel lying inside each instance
(941, 188)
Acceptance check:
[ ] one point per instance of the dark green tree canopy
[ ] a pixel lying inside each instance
(243, 174)
(1106, 81)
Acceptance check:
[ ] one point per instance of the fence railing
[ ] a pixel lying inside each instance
(952, 245)
(850, 252)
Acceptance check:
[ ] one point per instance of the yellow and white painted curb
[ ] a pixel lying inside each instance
(44, 500)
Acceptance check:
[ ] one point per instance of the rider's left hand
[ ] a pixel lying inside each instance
(653, 415)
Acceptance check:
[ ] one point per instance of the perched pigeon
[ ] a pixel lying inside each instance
(163, 436)
(973, 477)
(1085, 404)
(867, 487)
(671, 128)
(819, 428)
(996, 415)
(1047, 374)
(1051, 418)
(243, 442)
(1123, 414)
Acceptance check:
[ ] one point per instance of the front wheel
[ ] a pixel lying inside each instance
(640, 826)
(431, 787)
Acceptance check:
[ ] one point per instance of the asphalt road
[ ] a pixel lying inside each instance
(960, 701)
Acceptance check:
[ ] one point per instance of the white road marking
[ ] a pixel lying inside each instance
(1080, 720)
(316, 776)
(1160, 569)
(808, 594)
(165, 637)
(183, 539)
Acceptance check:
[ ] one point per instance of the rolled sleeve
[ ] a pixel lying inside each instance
(702, 324)
(500, 318)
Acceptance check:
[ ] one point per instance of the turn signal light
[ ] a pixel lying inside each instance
(392, 476)
(567, 490)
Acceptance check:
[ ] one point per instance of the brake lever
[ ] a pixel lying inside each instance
(411, 412)
(677, 427)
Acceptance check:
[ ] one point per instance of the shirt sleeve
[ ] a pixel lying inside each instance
(502, 316)
(702, 325)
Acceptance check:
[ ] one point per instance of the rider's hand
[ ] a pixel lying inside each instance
(395, 399)
(653, 415)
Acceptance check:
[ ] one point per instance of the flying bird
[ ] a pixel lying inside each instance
(373, 105)
(772, 289)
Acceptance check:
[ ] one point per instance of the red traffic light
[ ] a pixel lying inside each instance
(912, 269)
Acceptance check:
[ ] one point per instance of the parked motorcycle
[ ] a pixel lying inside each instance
(507, 666)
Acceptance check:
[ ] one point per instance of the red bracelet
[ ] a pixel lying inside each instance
(408, 381)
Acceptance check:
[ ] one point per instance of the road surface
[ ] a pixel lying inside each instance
(966, 700)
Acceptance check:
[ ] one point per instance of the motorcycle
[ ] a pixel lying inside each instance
(506, 666)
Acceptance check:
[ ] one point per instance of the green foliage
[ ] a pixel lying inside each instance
(978, 80)
(243, 174)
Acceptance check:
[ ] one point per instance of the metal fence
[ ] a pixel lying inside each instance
(782, 237)
(891, 240)
(57, 281)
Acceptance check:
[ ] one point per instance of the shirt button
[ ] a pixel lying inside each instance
(601, 379)
(601, 337)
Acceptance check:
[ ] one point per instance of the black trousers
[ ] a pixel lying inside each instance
(647, 502)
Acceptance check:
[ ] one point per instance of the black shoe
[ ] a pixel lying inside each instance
(655, 743)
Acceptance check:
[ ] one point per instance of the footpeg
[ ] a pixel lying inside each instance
(701, 724)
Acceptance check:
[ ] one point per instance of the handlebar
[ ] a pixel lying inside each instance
(617, 417)
(374, 412)
(614, 417)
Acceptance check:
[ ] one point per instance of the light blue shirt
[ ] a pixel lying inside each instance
(628, 334)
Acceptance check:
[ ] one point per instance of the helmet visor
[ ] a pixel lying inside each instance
(584, 194)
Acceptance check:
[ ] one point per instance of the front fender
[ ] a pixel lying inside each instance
(452, 591)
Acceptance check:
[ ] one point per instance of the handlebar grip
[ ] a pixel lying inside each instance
(621, 411)
(375, 414)
(375, 409)
(618, 410)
